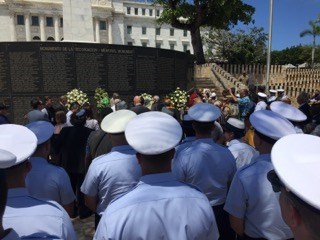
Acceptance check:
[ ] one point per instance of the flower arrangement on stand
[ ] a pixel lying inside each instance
(148, 101)
(76, 95)
(101, 98)
(179, 99)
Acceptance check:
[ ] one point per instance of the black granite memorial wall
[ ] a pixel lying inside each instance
(37, 69)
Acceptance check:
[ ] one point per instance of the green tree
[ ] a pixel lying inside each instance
(191, 15)
(244, 47)
(314, 32)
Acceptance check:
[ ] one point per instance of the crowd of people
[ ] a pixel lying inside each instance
(232, 165)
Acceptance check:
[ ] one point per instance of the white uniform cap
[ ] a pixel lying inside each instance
(237, 95)
(117, 121)
(18, 140)
(280, 90)
(271, 124)
(213, 94)
(273, 91)
(153, 133)
(204, 112)
(7, 159)
(296, 161)
(42, 129)
(186, 117)
(262, 95)
(288, 111)
(234, 124)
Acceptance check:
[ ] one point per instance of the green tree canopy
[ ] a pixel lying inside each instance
(191, 15)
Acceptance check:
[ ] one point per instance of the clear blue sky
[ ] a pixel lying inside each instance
(290, 17)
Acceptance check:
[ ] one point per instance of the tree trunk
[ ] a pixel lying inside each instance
(197, 45)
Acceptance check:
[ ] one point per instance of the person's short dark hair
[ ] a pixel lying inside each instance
(3, 192)
(187, 128)
(60, 117)
(74, 106)
(89, 113)
(115, 95)
(141, 100)
(261, 88)
(78, 120)
(35, 102)
(303, 97)
(203, 127)
(47, 98)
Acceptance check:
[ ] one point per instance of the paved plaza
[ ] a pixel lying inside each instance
(84, 227)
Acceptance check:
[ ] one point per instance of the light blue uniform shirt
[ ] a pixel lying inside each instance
(208, 166)
(50, 182)
(30, 216)
(242, 152)
(112, 175)
(251, 198)
(185, 144)
(160, 207)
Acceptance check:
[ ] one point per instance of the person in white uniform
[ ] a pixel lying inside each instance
(115, 173)
(296, 176)
(293, 114)
(189, 134)
(46, 180)
(29, 216)
(272, 97)
(234, 131)
(253, 206)
(262, 102)
(159, 207)
(207, 165)
(6, 159)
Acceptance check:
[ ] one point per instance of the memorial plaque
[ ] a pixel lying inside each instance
(24, 68)
(57, 68)
(4, 71)
(121, 69)
(166, 70)
(90, 68)
(181, 69)
(20, 107)
(146, 69)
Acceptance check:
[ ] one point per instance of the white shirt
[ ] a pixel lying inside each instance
(159, 208)
(68, 115)
(242, 152)
(50, 182)
(92, 124)
(261, 105)
(32, 217)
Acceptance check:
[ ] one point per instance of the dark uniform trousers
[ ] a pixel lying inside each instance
(223, 223)
(245, 237)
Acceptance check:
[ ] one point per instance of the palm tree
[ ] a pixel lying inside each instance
(314, 32)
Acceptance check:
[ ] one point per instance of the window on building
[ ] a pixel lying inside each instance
(143, 11)
(34, 20)
(158, 31)
(144, 44)
(50, 39)
(130, 44)
(61, 22)
(185, 47)
(49, 21)
(171, 46)
(144, 30)
(185, 33)
(171, 31)
(20, 20)
(158, 45)
(129, 29)
(150, 12)
(103, 25)
(136, 11)
(128, 10)
(158, 13)
(36, 38)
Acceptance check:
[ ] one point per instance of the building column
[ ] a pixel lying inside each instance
(42, 28)
(110, 31)
(13, 34)
(56, 28)
(97, 29)
(27, 27)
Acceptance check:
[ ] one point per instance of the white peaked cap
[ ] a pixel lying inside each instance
(288, 111)
(262, 95)
(204, 112)
(18, 140)
(42, 129)
(153, 133)
(296, 161)
(271, 124)
(117, 121)
(7, 159)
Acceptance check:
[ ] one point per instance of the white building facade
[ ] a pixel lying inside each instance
(114, 22)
